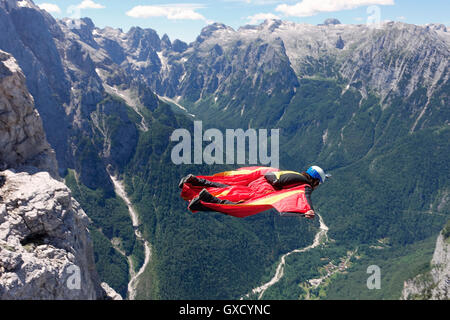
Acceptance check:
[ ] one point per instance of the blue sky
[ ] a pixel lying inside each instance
(184, 19)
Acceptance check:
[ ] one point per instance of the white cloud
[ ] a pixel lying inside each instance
(171, 12)
(259, 17)
(90, 4)
(50, 7)
(307, 8)
(401, 18)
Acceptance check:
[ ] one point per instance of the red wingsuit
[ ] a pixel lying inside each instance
(251, 193)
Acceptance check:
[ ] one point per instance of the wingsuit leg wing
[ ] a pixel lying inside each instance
(241, 177)
(291, 200)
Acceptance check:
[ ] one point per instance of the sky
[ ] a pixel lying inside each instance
(184, 19)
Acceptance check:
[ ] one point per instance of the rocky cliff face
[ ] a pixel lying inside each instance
(435, 284)
(59, 62)
(22, 137)
(45, 248)
(26, 35)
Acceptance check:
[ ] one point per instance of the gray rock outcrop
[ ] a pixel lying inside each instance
(22, 137)
(45, 248)
(435, 284)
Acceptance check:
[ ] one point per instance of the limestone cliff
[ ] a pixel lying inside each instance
(45, 247)
(22, 137)
(435, 284)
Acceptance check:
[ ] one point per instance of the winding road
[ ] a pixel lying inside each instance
(322, 233)
(120, 191)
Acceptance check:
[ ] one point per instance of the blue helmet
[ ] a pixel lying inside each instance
(317, 173)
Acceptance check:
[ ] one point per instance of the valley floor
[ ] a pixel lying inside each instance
(120, 191)
(318, 239)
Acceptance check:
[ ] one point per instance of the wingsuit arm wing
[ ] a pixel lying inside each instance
(288, 200)
(242, 176)
(308, 192)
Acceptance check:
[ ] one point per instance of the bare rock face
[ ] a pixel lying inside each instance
(435, 284)
(45, 248)
(111, 294)
(441, 270)
(22, 137)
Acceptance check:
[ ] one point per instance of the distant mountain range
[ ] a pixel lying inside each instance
(369, 104)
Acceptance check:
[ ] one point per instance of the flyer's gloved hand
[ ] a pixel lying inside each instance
(310, 214)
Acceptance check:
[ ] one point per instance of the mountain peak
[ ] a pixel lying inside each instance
(436, 26)
(138, 32)
(165, 42)
(14, 4)
(330, 21)
(212, 28)
(271, 24)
